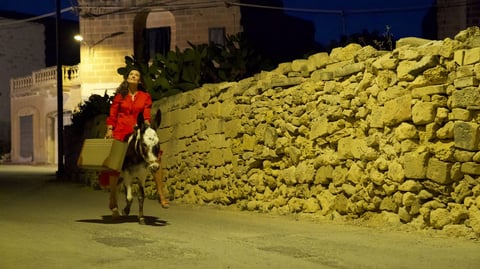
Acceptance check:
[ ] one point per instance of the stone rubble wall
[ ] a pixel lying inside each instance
(344, 134)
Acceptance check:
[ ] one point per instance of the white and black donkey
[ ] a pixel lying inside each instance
(142, 158)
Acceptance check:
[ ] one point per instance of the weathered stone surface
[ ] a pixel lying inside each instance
(439, 218)
(350, 132)
(439, 171)
(466, 135)
(464, 97)
(415, 165)
(397, 110)
(423, 113)
(474, 216)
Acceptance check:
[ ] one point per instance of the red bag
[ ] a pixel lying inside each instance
(103, 178)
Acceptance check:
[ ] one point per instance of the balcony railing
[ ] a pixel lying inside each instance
(33, 85)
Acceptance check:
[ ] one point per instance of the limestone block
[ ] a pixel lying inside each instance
(233, 128)
(187, 130)
(459, 114)
(472, 56)
(436, 75)
(355, 173)
(471, 168)
(476, 70)
(311, 205)
(465, 82)
(408, 70)
(346, 53)
(214, 126)
(385, 62)
(320, 59)
(376, 117)
(389, 204)
(349, 69)
(349, 148)
(411, 41)
(165, 134)
(466, 135)
(474, 215)
(464, 71)
(337, 65)
(459, 56)
(326, 201)
(288, 176)
(199, 146)
(408, 54)
(404, 215)
(366, 53)
(447, 131)
(322, 75)
(304, 173)
(405, 131)
(396, 171)
(283, 68)
(339, 175)
(397, 110)
(218, 141)
(249, 142)
(319, 128)
(465, 97)
(439, 171)
(376, 177)
(303, 65)
(410, 186)
(323, 175)
(428, 91)
(439, 218)
(464, 155)
(218, 157)
(385, 79)
(423, 113)
(409, 145)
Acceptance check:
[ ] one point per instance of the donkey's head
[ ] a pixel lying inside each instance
(144, 145)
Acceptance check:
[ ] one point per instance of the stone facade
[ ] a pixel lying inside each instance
(111, 31)
(347, 134)
(22, 53)
(455, 15)
(34, 98)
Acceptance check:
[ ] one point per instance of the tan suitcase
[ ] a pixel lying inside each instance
(102, 154)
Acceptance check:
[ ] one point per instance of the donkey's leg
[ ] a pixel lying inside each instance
(141, 199)
(128, 195)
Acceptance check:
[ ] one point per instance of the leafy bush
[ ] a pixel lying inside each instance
(180, 71)
(94, 106)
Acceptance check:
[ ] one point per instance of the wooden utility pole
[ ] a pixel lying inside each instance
(60, 161)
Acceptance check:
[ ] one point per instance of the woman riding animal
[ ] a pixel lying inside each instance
(129, 101)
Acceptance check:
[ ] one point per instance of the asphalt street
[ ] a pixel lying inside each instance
(49, 223)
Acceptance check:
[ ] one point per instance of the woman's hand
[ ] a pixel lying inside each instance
(109, 133)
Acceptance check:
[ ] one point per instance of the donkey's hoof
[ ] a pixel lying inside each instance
(141, 221)
(115, 213)
(126, 212)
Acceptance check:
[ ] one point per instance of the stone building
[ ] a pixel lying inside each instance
(456, 15)
(17, 57)
(111, 30)
(115, 29)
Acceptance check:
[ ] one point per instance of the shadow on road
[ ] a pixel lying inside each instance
(107, 219)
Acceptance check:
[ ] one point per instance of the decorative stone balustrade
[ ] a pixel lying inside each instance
(34, 84)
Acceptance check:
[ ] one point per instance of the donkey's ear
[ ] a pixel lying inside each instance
(140, 120)
(157, 119)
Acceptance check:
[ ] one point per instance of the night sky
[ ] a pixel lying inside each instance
(288, 29)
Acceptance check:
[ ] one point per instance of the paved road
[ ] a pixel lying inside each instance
(45, 223)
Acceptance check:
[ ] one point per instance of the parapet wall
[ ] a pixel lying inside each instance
(357, 131)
